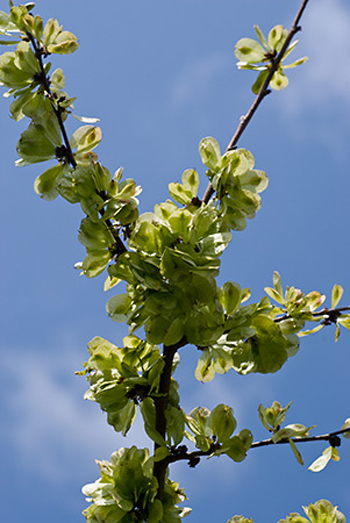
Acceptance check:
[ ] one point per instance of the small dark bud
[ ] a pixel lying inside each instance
(334, 441)
(193, 462)
(196, 202)
(61, 152)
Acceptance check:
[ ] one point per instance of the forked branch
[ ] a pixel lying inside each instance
(264, 91)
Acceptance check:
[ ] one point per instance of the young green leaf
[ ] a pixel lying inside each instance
(346, 425)
(249, 51)
(209, 150)
(321, 462)
(337, 293)
(296, 452)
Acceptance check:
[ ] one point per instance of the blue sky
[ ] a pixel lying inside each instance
(161, 74)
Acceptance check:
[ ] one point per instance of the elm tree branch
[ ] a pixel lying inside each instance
(330, 315)
(45, 82)
(264, 91)
(59, 110)
(161, 403)
(194, 457)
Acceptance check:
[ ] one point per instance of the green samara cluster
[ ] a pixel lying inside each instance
(169, 260)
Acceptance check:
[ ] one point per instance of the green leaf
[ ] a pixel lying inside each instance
(277, 283)
(25, 59)
(337, 333)
(344, 321)
(179, 193)
(175, 418)
(86, 138)
(175, 332)
(156, 329)
(321, 462)
(9, 42)
(118, 307)
(95, 235)
(205, 370)
(259, 82)
(279, 81)
(35, 146)
(236, 449)
(161, 453)
(190, 181)
(122, 419)
(209, 150)
(222, 422)
(296, 452)
(324, 512)
(261, 37)
(337, 293)
(275, 295)
(300, 61)
(149, 417)
(61, 42)
(215, 244)
(272, 417)
(277, 37)
(269, 347)
(346, 425)
(249, 51)
(230, 297)
(311, 331)
(239, 519)
(46, 184)
(17, 107)
(86, 119)
(6, 25)
(57, 79)
(10, 75)
(155, 513)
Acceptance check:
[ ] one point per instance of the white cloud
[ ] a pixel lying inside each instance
(326, 76)
(48, 425)
(196, 78)
(47, 421)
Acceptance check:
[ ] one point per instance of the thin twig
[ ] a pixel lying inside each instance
(331, 315)
(264, 91)
(305, 439)
(45, 82)
(194, 457)
(69, 155)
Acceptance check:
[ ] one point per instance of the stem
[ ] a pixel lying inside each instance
(58, 110)
(331, 315)
(264, 91)
(45, 82)
(196, 455)
(306, 439)
(161, 403)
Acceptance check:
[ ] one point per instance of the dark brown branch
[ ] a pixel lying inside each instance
(58, 110)
(45, 82)
(264, 91)
(161, 403)
(306, 439)
(331, 315)
(194, 457)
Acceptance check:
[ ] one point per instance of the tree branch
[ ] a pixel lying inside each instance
(161, 403)
(193, 458)
(331, 315)
(306, 439)
(44, 80)
(264, 91)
